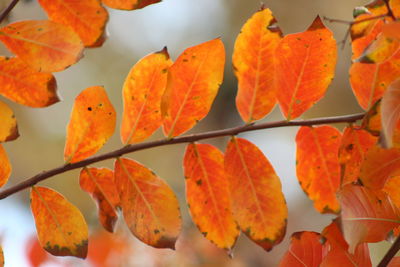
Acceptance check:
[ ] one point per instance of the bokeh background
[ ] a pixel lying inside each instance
(177, 24)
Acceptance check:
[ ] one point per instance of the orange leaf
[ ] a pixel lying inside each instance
(92, 123)
(333, 234)
(129, 4)
(317, 165)
(142, 93)
(150, 207)
(1, 257)
(359, 30)
(100, 184)
(342, 258)
(207, 194)
(5, 167)
(43, 44)
(395, 7)
(392, 29)
(355, 144)
(306, 249)
(367, 215)
(193, 82)
(61, 228)
(380, 50)
(8, 125)
(390, 112)
(305, 67)
(24, 85)
(253, 61)
(368, 33)
(395, 262)
(258, 203)
(87, 18)
(392, 188)
(372, 119)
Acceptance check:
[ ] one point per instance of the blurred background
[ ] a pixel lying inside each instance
(177, 24)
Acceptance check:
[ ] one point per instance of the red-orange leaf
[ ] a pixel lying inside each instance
(1, 257)
(364, 39)
(381, 49)
(359, 30)
(390, 112)
(43, 44)
(100, 184)
(258, 204)
(36, 255)
(395, 262)
(253, 62)
(392, 188)
(305, 67)
(61, 228)
(142, 93)
(367, 215)
(92, 123)
(129, 4)
(208, 196)
(149, 205)
(24, 85)
(87, 18)
(5, 167)
(8, 125)
(306, 249)
(193, 83)
(318, 169)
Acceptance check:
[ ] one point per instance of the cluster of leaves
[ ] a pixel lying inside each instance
(354, 174)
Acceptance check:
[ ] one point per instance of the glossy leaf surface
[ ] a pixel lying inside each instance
(100, 184)
(5, 167)
(208, 196)
(129, 4)
(142, 93)
(92, 123)
(8, 125)
(43, 44)
(317, 168)
(258, 204)
(193, 83)
(305, 67)
(61, 228)
(253, 62)
(150, 207)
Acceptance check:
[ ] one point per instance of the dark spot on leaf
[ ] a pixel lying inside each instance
(156, 231)
(40, 29)
(185, 60)
(199, 182)
(109, 113)
(89, 108)
(164, 70)
(100, 104)
(204, 233)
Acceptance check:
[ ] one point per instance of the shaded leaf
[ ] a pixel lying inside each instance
(193, 83)
(394, 262)
(61, 228)
(43, 44)
(142, 92)
(390, 113)
(305, 67)
(87, 18)
(129, 4)
(341, 257)
(317, 165)
(258, 203)
(100, 184)
(150, 207)
(253, 62)
(8, 125)
(208, 196)
(92, 123)
(5, 167)
(26, 86)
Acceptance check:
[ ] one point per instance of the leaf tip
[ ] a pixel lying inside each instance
(317, 24)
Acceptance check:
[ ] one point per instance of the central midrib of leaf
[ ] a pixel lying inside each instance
(98, 187)
(373, 85)
(76, 15)
(297, 258)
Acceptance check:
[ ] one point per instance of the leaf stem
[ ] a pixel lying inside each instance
(8, 9)
(178, 140)
(390, 253)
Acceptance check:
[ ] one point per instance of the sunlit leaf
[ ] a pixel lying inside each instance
(367, 215)
(100, 184)
(43, 44)
(366, 36)
(395, 7)
(87, 18)
(392, 188)
(390, 112)
(318, 168)
(193, 83)
(142, 92)
(208, 196)
(380, 50)
(258, 204)
(150, 207)
(253, 62)
(305, 67)
(61, 228)
(92, 123)
(306, 249)
(392, 29)
(129, 4)
(372, 119)
(8, 125)
(5, 167)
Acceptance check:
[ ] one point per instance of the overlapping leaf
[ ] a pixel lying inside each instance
(380, 50)
(258, 204)
(5, 167)
(394, 262)
(129, 4)
(318, 169)
(193, 82)
(208, 196)
(43, 44)
(92, 123)
(392, 188)
(100, 184)
(305, 67)
(390, 112)
(61, 228)
(142, 93)
(8, 125)
(87, 18)
(253, 62)
(150, 207)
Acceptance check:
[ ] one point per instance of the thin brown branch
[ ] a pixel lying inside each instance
(390, 11)
(350, 23)
(178, 140)
(8, 9)
(390, 253)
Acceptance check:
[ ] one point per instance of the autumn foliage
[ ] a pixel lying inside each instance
(352, 173)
